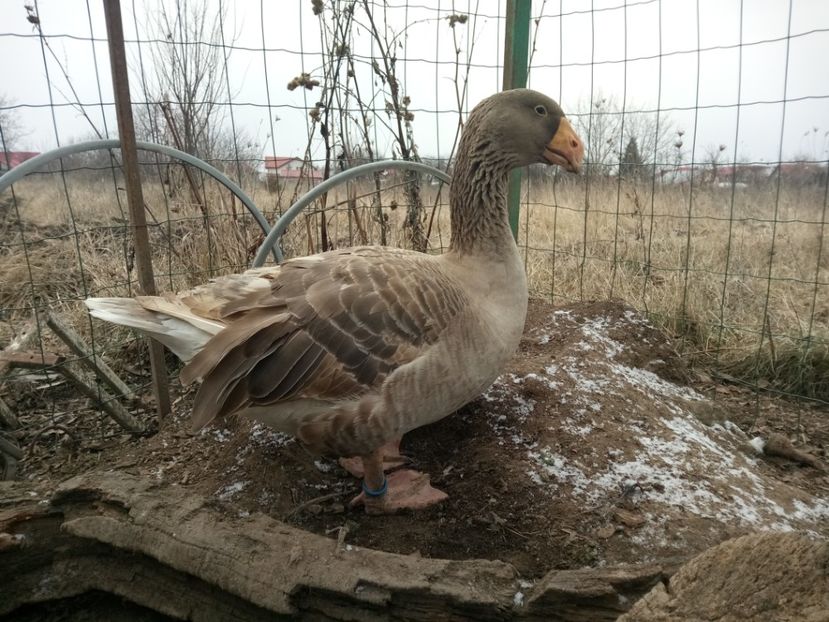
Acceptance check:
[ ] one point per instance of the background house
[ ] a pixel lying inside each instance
(10, 159)
(291, 168)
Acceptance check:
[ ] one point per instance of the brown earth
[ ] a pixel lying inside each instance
(593, 448)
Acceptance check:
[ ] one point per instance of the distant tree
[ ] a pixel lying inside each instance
(607, 126)
(11, 128)
(631, 164)
(186, 87)
(713, 158)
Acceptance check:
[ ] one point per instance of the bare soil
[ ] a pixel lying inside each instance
(595, 446)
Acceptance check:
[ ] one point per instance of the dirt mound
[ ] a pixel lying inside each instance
(760, 577)
(597, 419)
(590, 449)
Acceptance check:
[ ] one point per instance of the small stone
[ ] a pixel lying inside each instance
(606, 532)
(629, 519)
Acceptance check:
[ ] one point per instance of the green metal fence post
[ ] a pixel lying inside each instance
(516, 58)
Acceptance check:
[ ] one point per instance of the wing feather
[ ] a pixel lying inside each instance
(268, 376)
(325, 329)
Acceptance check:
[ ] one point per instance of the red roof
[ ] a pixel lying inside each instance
(277, 164)
(274, 162)
(10, 159)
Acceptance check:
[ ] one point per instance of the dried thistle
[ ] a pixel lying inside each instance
(315, 111)
(303, 79)
(31, 15)
(457, 18)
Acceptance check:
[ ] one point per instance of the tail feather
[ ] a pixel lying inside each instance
(184, 335)
(176, 308)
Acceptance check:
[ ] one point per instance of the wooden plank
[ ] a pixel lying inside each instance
(9, 448)
(9, 471)
(20, 341)
(36, 360)
(103, 400)
(87, 358)
(31, 360)
(8, 419)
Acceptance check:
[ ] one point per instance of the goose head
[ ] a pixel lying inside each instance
(504, 131)
(526, 127)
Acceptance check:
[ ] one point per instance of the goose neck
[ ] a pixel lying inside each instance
(478, 206)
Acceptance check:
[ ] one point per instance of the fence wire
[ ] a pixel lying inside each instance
(703, 202)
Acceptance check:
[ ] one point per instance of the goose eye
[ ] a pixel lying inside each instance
(541, 110)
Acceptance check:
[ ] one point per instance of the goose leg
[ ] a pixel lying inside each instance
(402, 489)
(392, 458)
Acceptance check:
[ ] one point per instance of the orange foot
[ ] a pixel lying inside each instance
(392, 458)
(405, 489)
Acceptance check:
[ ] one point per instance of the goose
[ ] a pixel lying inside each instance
(349, 349)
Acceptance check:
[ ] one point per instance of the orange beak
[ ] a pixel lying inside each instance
(566, 148)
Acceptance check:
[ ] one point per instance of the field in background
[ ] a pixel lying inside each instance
(698, 265)
(744, 284)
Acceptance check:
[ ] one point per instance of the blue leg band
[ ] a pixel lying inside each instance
(376, 493)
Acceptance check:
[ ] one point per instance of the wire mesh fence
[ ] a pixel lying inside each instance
(703, 201)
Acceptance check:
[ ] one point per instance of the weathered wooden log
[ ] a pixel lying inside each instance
(174, 553)
(762, 576)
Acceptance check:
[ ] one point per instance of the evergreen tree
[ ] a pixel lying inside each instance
(631, 165)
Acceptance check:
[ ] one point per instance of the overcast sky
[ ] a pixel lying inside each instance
(614, 50)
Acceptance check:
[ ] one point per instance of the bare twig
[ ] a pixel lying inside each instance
(306, 504)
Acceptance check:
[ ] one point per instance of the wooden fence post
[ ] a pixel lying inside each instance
(135, 197)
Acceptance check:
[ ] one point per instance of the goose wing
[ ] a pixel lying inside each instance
(328, 327)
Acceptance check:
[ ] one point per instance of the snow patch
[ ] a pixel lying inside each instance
(671, 461)
(231, 490)
(758, 444)
(684, 465)
(221, 435)
(264, 436)
(558, 467)
(649, 383)
(594, 331)
(545, 380)
(323, 466)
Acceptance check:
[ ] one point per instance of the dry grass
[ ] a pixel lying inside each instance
(584, 239)
(698, 265)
